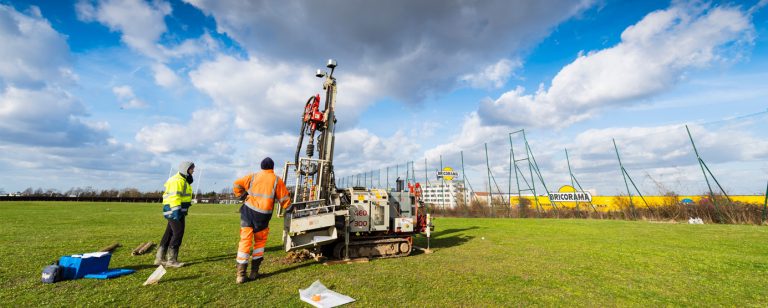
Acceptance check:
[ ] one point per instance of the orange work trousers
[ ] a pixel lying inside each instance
(248, 240)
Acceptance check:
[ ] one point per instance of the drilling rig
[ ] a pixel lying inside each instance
(344, 223)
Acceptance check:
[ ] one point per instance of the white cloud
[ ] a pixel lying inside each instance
(192, 47)
(494, 76)
(270, 96)
(418, 56)
(428, 129)
(359, 150)
(206, 130)
(472, 136)
(664, 155)
(653, 145)
(134, 104)
(653, 56)
(32, 51)
(757, 6)
(140, 23)
(101, 166)
(45, 129)
(164, 76)
(127, 98)
(259, 94)
(123, 92)
(35, 109)
(46, 117)
(655, 156)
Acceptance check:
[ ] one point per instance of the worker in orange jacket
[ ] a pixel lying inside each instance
(259, 192)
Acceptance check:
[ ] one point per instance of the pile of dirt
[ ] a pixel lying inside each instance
(296, 257)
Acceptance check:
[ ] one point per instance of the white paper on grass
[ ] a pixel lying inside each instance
(328, 298)
(156, 275)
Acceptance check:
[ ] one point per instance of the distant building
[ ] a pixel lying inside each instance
(483, 196)
(443, 194)
(216, 200)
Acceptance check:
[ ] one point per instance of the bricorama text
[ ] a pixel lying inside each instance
(571, 196)
(441, 174)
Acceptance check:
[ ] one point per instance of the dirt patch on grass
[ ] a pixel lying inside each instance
(296, 257)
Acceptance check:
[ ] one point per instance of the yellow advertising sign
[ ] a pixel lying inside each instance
(567, 193)
(447, 174)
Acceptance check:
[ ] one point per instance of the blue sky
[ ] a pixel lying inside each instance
(113, 94)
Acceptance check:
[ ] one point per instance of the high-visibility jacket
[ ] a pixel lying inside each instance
(264, 188)
(177, 197)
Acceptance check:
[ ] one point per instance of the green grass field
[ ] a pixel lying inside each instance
(477, 262)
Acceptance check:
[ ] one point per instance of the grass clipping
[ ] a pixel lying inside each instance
(296, 257)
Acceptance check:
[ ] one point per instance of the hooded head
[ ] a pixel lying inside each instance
(185, 166)
(267, 164)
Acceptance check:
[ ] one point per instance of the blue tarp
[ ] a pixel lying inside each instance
(115, 272)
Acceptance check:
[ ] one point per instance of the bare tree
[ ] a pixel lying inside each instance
(52, 192)
(130, 193)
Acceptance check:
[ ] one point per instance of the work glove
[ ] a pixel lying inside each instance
(245, 195)
(172, 213)
(185, 208)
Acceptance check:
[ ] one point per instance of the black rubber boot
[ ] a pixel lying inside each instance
(255, 264)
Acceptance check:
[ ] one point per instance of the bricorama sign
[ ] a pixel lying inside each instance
(447, 174)
(569, 194)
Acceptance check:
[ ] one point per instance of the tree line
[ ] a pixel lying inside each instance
(90, 192)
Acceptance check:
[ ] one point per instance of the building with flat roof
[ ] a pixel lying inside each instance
(444, 194)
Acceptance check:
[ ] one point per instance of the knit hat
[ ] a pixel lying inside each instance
(184, 167)
(267, 164)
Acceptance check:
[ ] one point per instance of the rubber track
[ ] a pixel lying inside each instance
(337, 250)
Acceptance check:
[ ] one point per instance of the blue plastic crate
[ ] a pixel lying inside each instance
(77, 266)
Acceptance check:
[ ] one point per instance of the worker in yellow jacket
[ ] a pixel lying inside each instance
(259, 192)
(177, 199)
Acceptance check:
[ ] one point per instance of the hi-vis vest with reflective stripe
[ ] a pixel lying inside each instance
(264, 188)
(177, 191)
